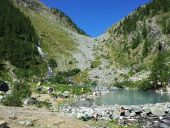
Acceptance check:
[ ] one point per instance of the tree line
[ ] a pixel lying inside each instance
(17, 36)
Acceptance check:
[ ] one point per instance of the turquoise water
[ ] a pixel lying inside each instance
(127, 97)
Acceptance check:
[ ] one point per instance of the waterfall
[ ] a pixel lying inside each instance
(50, 72)
(40, 51)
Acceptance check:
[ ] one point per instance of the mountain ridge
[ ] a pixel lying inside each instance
(125, 52)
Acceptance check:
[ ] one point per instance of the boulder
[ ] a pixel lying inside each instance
(147, 109)
(116, 114)
(164, 125)
(133, 113)
(66, 94)
(1, 93)
(79, 115)
(26, 122)
(30, 101)
(143, 114)
(4, 86)
(157, 111)
(21, 122)
(3, 124)
(127, 113)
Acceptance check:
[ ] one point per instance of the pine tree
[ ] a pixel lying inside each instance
(146, 46)
(159, 71)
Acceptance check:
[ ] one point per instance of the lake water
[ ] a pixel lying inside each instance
(126, 97)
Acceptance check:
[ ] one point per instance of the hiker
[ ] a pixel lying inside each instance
(50, 90)
(95, 116)
(122, 111)
(94, 93)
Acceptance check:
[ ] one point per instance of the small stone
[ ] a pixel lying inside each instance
(28, 123)
(21, 122)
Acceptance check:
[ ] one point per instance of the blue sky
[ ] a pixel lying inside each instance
(95, 16)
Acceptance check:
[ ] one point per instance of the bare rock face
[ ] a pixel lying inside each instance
(32, 4)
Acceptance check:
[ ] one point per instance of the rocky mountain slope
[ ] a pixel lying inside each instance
(125, 52)
(128, 49)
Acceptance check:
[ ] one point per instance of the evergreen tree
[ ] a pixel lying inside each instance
(146, 47)
(136, 41)
(17, 36)
(159, 71)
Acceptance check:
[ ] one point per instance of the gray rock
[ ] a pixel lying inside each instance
(146, 109)
(1, 93)
(157, 111)
(21, 122)
(143, 114)
(3, 124)
(26, 122)
(164, 125)
(127, 113)
(26, 101)
(133, 113)
(79, 115)
(167, 121)
(1, 97)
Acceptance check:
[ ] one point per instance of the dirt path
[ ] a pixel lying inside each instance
(42, 118)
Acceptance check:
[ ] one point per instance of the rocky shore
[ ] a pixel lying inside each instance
(149, 115)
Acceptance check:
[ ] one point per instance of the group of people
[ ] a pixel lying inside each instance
(95, 93)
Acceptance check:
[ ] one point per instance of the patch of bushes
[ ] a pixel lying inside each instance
(45, 104)
(74, 89)
(64, 77)
(155, 7)
(136, 41)
(95, 63)
(17, 37)
(12, 100)
(142, 85)
(146, 85)
(19, 92)
(52, 63)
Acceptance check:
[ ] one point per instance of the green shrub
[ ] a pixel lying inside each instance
(136, 41)
(12, 100)
(22, 90)
(19, 92)
(146, 85)
(74, 89)
(52, 63)
(45, 104)
(96, 62)
(17, 36)
(63, 77)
